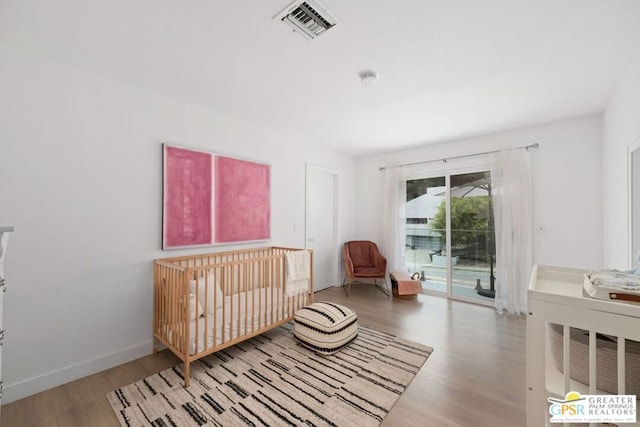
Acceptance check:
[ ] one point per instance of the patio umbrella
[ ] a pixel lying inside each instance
(479, 187)
(475, 188)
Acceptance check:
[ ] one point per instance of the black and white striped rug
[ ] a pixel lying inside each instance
(271, 380)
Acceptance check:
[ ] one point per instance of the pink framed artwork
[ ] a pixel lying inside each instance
(242, 200)
(210, 199)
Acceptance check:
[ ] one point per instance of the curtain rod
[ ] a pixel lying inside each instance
(525, 147)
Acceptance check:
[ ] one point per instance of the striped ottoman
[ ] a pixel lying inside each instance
(325, 327)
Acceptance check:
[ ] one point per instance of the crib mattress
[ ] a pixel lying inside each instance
(241, 314)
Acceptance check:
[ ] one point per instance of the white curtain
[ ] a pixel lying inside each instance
(394, 217)
(511, 190)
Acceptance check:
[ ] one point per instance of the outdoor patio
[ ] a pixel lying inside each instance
(465, 273)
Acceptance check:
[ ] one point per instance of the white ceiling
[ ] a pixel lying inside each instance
(447, 69)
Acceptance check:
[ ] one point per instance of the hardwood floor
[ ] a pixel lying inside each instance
(475, 376)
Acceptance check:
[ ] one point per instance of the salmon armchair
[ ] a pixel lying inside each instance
(363, 261)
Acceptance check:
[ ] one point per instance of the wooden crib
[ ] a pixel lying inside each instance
(205, 303)
(605, 348)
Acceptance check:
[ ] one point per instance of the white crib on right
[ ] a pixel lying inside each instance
(555, 296)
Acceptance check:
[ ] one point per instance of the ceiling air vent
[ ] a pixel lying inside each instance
(307, 18)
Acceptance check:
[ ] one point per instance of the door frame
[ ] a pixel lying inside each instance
(631, 227)
(479, 164)
(335, 275)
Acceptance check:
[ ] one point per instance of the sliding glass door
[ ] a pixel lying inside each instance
(472, 235)
(450, 235)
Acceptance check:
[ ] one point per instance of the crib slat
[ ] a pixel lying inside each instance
(216, 273)
(621, 365)
(592, 366)
(566, 344)
(191, 275)
(235, 310)
(272, 305)
(182, 309)
(268, 294)
(263, 301)
(592, 363)
(224, 282)
(249, 285)
(171, 310)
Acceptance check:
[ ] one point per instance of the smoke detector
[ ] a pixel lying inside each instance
(308, 18)
(368, 77)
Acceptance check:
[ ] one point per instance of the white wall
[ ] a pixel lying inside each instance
(621, 129)
(567, 189)
(80, 179)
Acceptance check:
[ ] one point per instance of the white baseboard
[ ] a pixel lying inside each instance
(24, 388)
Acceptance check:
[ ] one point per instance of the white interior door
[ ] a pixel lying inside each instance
(4, 240)
(322, 225)
(634, 204)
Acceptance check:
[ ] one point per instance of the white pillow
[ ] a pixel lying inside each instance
(208, 293)
(192, 307)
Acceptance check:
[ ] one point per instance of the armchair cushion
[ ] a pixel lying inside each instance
(361, 254)
(368, 272)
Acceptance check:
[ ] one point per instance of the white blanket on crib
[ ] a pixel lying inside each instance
(298, 265)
